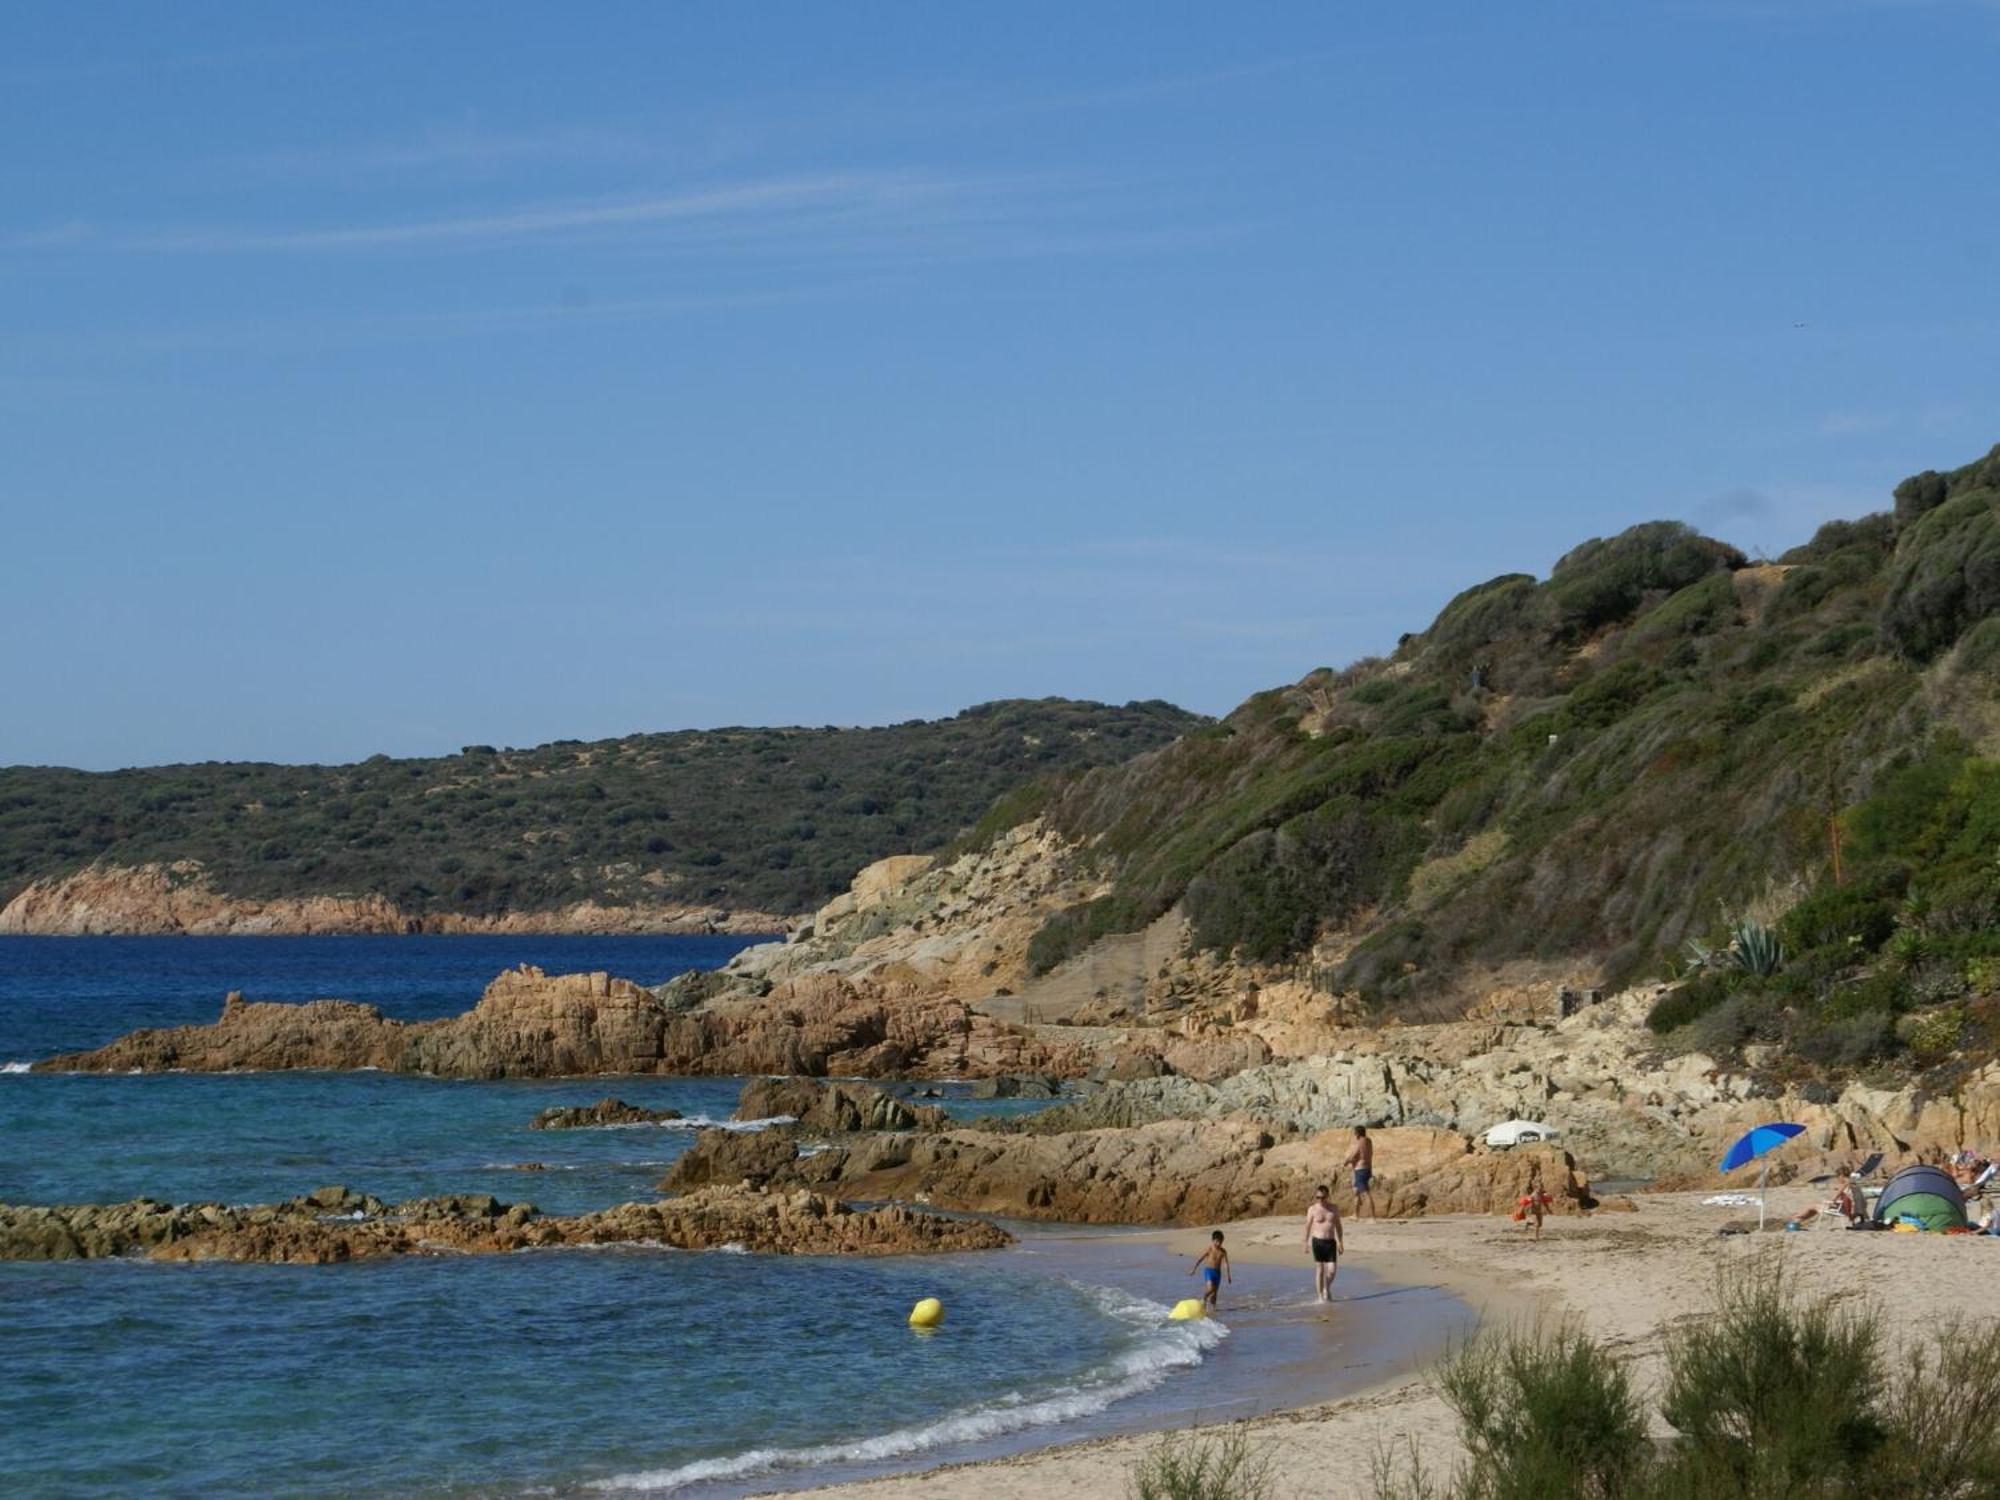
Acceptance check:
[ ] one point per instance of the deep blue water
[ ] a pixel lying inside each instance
(545, 1372)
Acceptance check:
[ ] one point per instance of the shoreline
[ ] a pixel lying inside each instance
(1626, 1278)
(765, 925)
(1276, 1348)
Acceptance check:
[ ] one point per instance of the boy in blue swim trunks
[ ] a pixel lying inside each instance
(1213, 1263)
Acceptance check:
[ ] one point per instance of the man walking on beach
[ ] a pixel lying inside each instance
(1325, 1238)
(1361, 1157)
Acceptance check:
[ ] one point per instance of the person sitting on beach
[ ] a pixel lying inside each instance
(1849, 1203)
(1361, 1157)
(1983, 1173)
(1325, 1239)
(1213, 1263)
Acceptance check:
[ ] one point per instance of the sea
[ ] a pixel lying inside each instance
(544, 1373)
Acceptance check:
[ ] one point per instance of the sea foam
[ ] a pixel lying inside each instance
(696, 1122)
(1163, 1349)
(15, 1067)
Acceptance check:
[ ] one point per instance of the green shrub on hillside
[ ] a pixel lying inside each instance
(1604, 580)
(1946, 575)
(1695, 610)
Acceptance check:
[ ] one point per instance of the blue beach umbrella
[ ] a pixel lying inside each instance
(1758, 1140)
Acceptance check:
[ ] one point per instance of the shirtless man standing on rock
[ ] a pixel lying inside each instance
(1361, 1157)
(1326, 1237)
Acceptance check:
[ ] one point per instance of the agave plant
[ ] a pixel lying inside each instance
(1699, 955)
(1755, 949)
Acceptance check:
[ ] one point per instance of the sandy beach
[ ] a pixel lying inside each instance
(1626, 1277)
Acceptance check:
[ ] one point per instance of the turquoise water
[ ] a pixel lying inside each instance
(562, 1372)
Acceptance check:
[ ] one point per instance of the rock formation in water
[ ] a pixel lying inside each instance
(727, 1157)
(603, 1112)
(836, 1107)
(530, 1024)
(336, 1224)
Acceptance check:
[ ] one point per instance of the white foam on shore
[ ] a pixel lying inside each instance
(1165, 1348)
(695, 1122)
(15, 1067)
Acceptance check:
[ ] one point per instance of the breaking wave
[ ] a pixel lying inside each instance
(1163, 1348)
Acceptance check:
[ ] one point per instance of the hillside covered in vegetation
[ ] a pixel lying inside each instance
(1659, 745)
(771, 820)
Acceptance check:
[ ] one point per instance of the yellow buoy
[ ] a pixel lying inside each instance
(927, 1313)
(1188, 1307)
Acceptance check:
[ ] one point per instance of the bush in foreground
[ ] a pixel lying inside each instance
(1772, 1397)
(1196, 1468)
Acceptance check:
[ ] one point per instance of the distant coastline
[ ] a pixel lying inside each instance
(168, 899)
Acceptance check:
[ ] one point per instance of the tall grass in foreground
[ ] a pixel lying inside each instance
(1771, 1397)
(1183, 1467)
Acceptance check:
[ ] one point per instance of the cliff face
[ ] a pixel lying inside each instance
(959, 928)
(178, 899)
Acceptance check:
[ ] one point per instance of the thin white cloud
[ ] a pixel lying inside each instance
(855, 212)
(735, 204)
(468, 147)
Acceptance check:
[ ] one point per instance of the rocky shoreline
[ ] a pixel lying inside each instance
(530, 1024)
(177, 900)
(336, 1224)
(1204, 1071)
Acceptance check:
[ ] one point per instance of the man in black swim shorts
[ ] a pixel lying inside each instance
(1326, 1237)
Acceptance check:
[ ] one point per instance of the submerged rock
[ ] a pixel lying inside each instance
(603, 1112)
(336, 1225)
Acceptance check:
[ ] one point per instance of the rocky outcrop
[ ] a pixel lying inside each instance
(960, 928)
(603, 1112)
(1017, 1086)
(335, 1224)
(729, 1157)
(529, 1024)
(178, 898)
(1598, 1077)
(1170, 1172)
(834, 1107)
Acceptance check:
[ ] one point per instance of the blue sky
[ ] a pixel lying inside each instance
(401, 377)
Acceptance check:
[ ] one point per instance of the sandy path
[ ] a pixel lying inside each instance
(1627, 1277)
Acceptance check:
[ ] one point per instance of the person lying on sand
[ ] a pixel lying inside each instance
(1213, 1263)
(1326, 1237)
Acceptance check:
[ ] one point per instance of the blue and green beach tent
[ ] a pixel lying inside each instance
(1923, 1195)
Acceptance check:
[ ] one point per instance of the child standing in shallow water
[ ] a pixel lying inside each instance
(1213, 1263)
